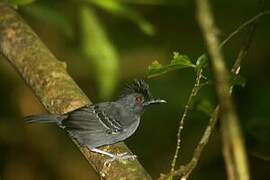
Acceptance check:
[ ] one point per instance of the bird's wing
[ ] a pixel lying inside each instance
(94, 118)
(109, 116)
(92, 127)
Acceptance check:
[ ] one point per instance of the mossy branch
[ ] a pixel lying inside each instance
(56, 90)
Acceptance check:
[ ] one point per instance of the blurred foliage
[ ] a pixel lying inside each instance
(258, 135)
(95, 43)
(20, 2)
(113, 35)
(237, 80)
(154, 2)
(97, 47)
(118, 8)
(50, 14)
(204, 106)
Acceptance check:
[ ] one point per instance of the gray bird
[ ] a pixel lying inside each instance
(106, 122)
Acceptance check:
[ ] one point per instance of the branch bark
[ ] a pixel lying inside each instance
(56, 90)
(232, 137)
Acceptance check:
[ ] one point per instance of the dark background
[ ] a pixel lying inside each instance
(46, 152)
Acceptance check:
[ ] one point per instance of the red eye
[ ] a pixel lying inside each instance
(139, 99)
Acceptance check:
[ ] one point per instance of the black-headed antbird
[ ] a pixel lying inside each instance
(105, 123)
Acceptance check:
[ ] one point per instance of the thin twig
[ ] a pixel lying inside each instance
(246, 45)
(203, 141)
(242, 26)
(194, 91)
(185, 171)
(229, 120)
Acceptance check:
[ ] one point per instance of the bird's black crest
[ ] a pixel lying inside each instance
(137, 86)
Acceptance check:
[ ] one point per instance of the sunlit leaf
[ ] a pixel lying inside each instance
(118, 8)
(156, 69)
(98, 48)
(156, 65)
(178, 62)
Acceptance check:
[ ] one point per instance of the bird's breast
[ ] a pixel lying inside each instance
(130, 128)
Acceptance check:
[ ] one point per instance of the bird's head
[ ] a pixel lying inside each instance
(137, 96)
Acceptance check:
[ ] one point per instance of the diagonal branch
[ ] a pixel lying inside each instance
(52, 85)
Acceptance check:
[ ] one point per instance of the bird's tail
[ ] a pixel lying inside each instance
(45, 118)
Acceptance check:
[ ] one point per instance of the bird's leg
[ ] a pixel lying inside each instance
(102, 152)
(121, 156)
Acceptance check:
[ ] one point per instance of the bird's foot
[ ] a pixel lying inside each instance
(113, 157)
(125, 156)
(120, 157)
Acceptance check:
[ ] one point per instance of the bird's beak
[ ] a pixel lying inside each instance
(154, 101)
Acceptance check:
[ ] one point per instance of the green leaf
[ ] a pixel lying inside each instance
(155, 65)
(21, 2)
(118, 8)
(201, 62)
(155, 69)
(178, 62)
(237, 80)
(98, 48)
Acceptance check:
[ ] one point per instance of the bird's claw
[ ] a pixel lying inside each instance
(125, 156)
